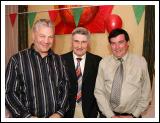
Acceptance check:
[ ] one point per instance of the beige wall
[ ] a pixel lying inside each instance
(11, 33)
(99, 42)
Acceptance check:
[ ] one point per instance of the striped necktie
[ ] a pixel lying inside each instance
(117, 85)
(79, 78)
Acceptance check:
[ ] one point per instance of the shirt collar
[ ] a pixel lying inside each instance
(75, 56)
(124, 57)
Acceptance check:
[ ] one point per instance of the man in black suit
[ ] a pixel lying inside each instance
(81, 87)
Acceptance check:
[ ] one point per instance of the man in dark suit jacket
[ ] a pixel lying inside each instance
(89, 63)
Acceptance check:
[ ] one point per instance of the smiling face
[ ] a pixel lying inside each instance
(43, 39)
(79, 44)
(119, 46)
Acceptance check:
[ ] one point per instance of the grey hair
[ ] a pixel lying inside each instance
(81, 30)
(43, 22)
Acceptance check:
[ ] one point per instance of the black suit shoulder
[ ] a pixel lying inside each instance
(94, 56)
(67, 55)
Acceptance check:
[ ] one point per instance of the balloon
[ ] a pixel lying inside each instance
(113, 22)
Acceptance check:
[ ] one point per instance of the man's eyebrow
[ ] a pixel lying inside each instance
(121, 40)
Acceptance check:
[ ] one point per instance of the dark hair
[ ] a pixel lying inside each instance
(117, 32)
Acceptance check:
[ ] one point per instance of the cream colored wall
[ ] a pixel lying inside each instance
(99, 43)
(135, 30)
(36, 8)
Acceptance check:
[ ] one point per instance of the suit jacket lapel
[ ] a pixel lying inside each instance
(72, 66)
(87, 67)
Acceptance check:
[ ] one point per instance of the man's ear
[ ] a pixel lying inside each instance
(89, 45)
(128, 42)
(33, 36)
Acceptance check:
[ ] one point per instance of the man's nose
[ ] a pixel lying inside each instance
(46, 40)
(116, 46)
(80, 45)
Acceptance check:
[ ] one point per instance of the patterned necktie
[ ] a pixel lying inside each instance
(116, 86)
(79, 77)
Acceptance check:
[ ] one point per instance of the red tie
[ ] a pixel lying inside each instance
(79, 78)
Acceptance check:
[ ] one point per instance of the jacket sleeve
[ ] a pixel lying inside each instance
(63, 90)
(12, 100)
(145, 90)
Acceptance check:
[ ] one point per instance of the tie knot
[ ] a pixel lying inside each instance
(79, 59)
(120, 59)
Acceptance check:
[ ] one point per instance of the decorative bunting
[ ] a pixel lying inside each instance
(12, 18)
(77, 14)
(138, 11)
(31, 18)
(90, 17)
(53, 15)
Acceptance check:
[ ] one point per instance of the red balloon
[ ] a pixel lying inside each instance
(113, 22)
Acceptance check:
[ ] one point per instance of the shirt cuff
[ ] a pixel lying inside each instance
(27, 115)
(60, 112)
(137, 113)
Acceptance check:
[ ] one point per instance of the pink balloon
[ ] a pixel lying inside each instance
(113, 22)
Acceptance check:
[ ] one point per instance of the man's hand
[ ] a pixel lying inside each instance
(34, 117)
(126, 116)
(55, 115)
(122, 116)
(116, 116)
